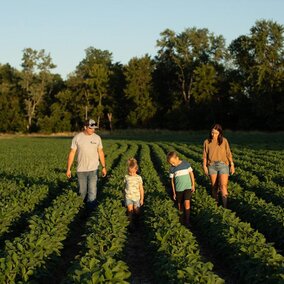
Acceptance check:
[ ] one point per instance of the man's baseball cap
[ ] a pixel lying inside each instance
(91, 124)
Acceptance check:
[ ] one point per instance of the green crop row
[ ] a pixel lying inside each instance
(267, 190)
(260, 157)
(25, 254)
(21, 201)
(250, 258)
(176, 254)
(265, 217)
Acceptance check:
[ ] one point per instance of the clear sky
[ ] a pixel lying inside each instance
(126, 28)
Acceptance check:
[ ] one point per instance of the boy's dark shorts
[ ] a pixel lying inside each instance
(183, 195)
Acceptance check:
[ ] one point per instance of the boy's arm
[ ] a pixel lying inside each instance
(192, 181)
(141, 188)
(173, 188)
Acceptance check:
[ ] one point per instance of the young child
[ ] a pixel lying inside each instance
(134, 191)
(182, 181)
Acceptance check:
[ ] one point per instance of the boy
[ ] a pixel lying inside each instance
(182, 181)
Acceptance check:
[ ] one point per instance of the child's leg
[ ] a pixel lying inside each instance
(136, 210)
(130, 212)
(187, 197)
(187, 210)
(179, 198)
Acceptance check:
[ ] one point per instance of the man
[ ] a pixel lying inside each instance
(89, 148)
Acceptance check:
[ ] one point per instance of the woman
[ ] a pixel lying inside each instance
(218, 162)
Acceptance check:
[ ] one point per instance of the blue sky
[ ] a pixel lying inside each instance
(126, 28)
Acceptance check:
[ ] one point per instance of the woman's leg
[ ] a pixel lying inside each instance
(224, 188)
(214, 186)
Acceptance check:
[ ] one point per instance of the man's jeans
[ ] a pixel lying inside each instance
(88, 185)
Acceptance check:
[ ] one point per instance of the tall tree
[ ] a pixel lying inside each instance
(116, 102)
(259, 60)
(139, 90)
(188, 51)
(11, 114)
(93, 74)
(35, 78)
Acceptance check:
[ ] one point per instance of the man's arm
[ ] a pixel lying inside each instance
(102, 160)
(70, 161)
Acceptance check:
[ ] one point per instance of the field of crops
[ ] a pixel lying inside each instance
(45, 236)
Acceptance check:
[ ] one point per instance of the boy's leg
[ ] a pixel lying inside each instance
(179, 198)
(187, 211)
(187, 197)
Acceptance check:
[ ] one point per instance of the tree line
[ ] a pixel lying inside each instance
(193, 81)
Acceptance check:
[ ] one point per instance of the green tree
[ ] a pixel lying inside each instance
(93, 74)
(11, 115)
(35, 78)
(116, 103)
(259, 60)
(192, 52)
(138, 91)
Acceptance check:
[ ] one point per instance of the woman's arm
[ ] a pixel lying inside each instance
(230, 158)
(205, 168)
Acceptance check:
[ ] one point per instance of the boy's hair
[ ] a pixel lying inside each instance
(132, 163)
(171, 154)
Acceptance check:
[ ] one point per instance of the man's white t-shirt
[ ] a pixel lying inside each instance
(87, 149)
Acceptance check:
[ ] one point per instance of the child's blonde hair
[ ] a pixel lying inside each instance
(171, 154)
(132, 164)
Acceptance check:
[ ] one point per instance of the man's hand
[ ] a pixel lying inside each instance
(68, 173)
(104, 172)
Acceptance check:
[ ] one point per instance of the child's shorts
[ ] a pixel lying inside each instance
(218, 168)
(183, 195)
(136, 204)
